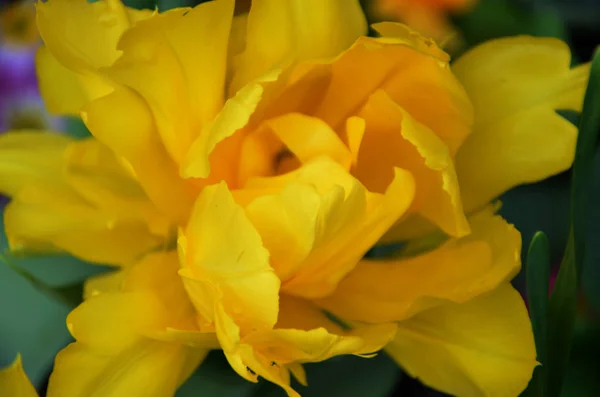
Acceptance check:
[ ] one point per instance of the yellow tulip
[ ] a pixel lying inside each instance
(240, 168)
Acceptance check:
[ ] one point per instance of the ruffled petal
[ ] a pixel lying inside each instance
(419, 82)
(393, 138)
(223, 260)
(459, 270)
(322, 222)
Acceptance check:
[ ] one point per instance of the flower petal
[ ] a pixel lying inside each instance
(223, 259)
(393, 138)
(31, 158)
(98, 176)
(311, 337)
(418, 82)
(308, 138)
(460, 269)
(14, 381)
(106, 282)
(81, 35)
(124, 123)
(80, 38)
(177, 61)
(51, 178)
(77, 229)
(401, 33)
(280, 32)
(516, 85)
(322, 222)
(146, 368)
(115, 353)
(235, 115)
(61, 88)
(483, 347)
(304, 334)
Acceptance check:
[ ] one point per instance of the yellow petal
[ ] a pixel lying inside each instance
(150, 298)
(516, 85)
(401, 33)
(63, 197)
(112, 321)
(393, 138)
(83, 231)
(483, 347)
(115, 354)
(460, 269)
(60, 87)
(315, 345)
(14, 381)
(304, 333)
(309, 336)
(308, 138)
(280, 32)
(177, 62)
(158, 274)
(235, 115)
(148, 368)
(31, 158)
(107, 282)
(223, 259)
(420, 83)
(100, 178)
(322, 222)
(124, 123)
(237, 40)
(81, 35)
(80, 38)
(274, 94)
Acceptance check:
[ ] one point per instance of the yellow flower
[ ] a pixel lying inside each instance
(273, 149)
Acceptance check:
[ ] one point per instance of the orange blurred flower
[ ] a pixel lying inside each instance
(428, 17)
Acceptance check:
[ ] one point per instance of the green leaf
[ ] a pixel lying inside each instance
(590, 280)
(70, 295)
(563, 302)
(538, 280)
(581, 379)
(587, 143)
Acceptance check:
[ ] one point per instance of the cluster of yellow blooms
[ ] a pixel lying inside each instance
(240, 168)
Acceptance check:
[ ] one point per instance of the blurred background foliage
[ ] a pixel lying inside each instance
(33, 324)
